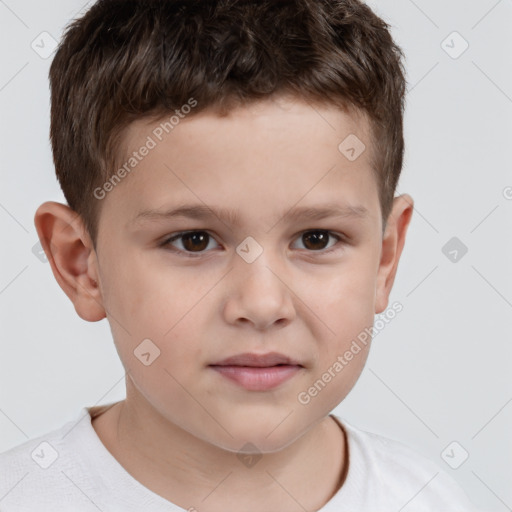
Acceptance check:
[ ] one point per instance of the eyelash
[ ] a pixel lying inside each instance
(167, 242)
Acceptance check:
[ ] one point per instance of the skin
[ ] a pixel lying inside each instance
(182, 424)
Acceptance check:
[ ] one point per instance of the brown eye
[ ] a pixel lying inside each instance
(319, 240)
(195, 241)
(191, 243)
(315, 240)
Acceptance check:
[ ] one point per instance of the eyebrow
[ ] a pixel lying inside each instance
(230, 216)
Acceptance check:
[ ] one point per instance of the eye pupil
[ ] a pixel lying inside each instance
(198, 241)
(318, 239)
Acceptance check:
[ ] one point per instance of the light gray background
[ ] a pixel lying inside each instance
(439, 372)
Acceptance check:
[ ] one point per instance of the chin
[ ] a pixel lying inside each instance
(256, 443)
(268, 435)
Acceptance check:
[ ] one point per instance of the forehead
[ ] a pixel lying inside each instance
(267, 154)
(300, 119)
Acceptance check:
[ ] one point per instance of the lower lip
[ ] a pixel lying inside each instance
(258, 379)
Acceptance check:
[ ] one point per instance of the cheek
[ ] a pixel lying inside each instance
(343, 300)
(146, 300)
(144, 293)
(345, 311)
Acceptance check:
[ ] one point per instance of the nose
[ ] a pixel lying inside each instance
(259, 295)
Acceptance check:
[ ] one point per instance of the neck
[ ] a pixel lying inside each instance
(195, 474)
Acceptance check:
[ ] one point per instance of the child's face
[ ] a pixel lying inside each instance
(307, 296)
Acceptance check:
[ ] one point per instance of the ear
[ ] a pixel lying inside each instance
(72, 257)
(392, 244)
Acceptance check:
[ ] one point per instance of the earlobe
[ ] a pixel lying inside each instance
(392, 246)
(71, 255)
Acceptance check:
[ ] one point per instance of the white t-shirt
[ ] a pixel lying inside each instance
(70, 470)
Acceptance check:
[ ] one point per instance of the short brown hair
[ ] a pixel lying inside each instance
(128, 59)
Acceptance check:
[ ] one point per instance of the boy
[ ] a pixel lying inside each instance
(230, 169)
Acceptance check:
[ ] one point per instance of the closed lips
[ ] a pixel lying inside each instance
(258, 360)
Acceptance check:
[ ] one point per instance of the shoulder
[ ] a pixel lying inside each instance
(69, 469)
(42, 468)
(25, 470)
(395, 474)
